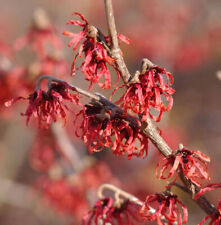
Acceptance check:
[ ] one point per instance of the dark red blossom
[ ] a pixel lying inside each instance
(47, 106)
(95, 48)
(168, 209)
(215, 218)
(106, 211)
(149, 91)
(192, 163)
(102, 127)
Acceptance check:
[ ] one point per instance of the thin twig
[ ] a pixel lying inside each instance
(72, 87)
(114, 42)
(120, 192)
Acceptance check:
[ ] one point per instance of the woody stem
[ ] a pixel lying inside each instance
(115, 50)
(72, 87)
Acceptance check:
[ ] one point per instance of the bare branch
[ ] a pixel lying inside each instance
(72, 87)
(114, 41)
(119, 192)
(153, 134)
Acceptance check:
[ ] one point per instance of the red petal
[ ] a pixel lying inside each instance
(123, 38)
(209, 187)
(81, 16)
(75, 22)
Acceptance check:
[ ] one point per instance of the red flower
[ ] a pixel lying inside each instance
(192, 163)
(106, 212)
(149, 91)
(168, 210)
(216, 217)
(40, 35)
(47, 106)
(102, 127)
(95, 51)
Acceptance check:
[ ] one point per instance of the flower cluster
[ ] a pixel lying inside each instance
(168, 210)
(192, 163)
(106, 212)
(96, 51)
(149, 90)
(47, 106)
(102, 127)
